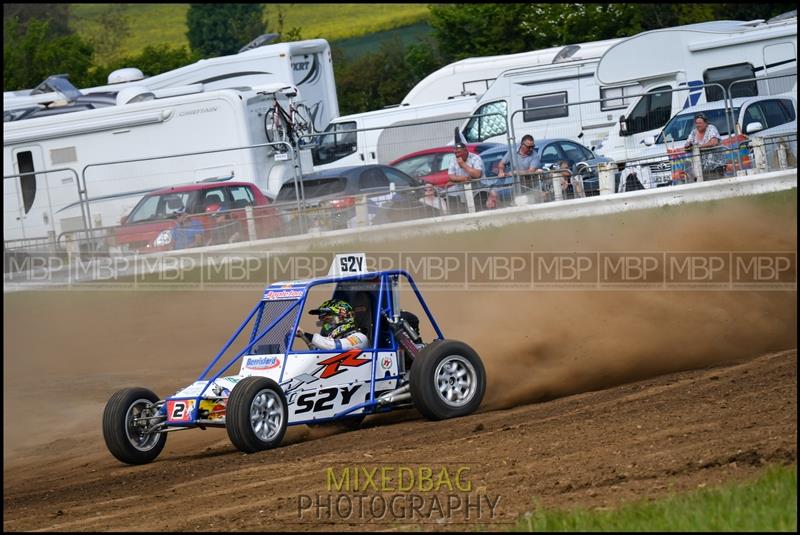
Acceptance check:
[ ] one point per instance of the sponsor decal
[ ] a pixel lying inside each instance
(275, 295)
(180, 410)
(325, 399)
(386, 363)
(262, 363)
(215, 409)
(348, 359)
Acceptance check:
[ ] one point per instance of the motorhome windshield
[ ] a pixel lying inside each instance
(336, 142)
(492, 123)
(679, 128)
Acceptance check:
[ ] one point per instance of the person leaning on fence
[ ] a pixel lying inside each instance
(705, 135)
(466, 167)
(525, 160)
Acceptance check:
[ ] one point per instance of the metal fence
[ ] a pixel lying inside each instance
(81, 222)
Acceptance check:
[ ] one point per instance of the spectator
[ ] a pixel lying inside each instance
(525, 160)
(705, 134)
(465, 167)
(188, 232)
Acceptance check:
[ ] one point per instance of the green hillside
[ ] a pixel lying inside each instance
(153, 24)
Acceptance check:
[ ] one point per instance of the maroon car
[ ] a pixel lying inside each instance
(431, 165)
(194, 215)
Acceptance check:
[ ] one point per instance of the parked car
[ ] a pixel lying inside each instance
(330, 197)
(752, 116)
(551, 152)
(219, 208)
(431, 165)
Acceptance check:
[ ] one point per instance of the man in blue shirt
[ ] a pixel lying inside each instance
(188, 232)
(526, 159)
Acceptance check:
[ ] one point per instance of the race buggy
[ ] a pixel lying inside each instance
(280, 383)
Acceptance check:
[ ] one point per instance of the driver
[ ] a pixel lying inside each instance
(338, 327)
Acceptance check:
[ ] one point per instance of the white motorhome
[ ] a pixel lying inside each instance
(381, 136)
(568, 78)
(47, 204)
(476, 75)
(658, 61)
(306, 64)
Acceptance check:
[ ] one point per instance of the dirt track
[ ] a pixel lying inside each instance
(675, 432)
(66, 352)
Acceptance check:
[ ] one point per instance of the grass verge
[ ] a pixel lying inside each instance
(768, 503)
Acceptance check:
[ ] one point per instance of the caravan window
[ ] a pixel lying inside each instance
(27, 182)
(724, 76)
(618, 97)
(335, 143)
(482, 128)
(652, 111)
(546, 113)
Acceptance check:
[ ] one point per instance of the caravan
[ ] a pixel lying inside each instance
(306, 64)
(690, 56)
(568, 77)
(144, 121)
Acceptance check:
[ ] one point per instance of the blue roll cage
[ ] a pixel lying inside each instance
(384, 294)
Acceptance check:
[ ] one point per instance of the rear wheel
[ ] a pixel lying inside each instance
(126, 418)
(302, 122)
(275, 128)
(256, 415)
(447, 380)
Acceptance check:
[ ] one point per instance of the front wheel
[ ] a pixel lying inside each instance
(447, 380)
(126, 418)
(256, 415)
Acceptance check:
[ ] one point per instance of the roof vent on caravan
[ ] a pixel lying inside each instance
(132, 95)
(566, 53)
(129, 74)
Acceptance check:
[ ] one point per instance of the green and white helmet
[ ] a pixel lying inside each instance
(339, 317)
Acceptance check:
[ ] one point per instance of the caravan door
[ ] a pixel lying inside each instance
(27, 207)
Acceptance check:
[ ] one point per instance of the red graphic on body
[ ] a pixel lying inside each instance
(348, 358)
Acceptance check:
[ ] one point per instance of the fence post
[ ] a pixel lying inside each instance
(555, 177)
(362, 212)
(469, 198)
(605, 178)
(783, 159)
(759, 155)
(697, 164)
(251, 223)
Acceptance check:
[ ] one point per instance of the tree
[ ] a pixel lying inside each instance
(32, 52)
(467, 30)
(57, 14)
(222, 29)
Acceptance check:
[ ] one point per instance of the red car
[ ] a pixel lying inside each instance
(431, 165)
(215, 212)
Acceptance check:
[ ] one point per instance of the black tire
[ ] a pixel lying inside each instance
(424, 382)
(119, 432)
(275, 132)
(237, 414)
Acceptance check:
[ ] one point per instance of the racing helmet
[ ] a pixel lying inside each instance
(336, 317)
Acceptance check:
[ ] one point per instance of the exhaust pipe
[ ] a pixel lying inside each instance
(395, 396)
